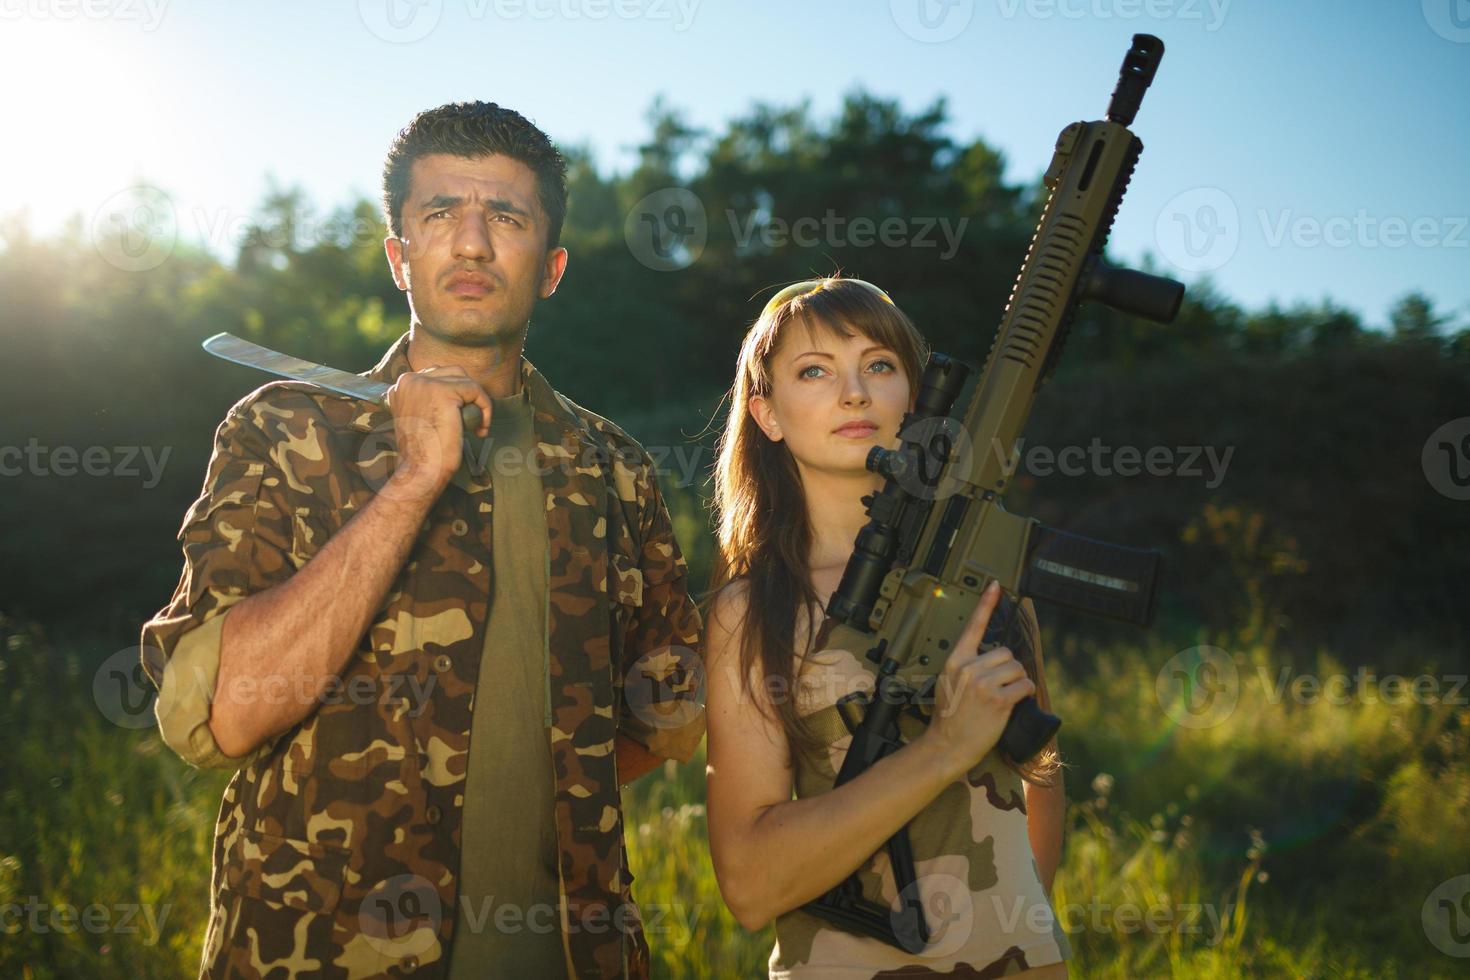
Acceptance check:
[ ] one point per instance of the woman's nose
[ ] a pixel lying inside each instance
(856, 393)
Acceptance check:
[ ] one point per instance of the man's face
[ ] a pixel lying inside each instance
(473, 257)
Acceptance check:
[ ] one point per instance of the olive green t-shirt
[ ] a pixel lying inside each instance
(508, 919)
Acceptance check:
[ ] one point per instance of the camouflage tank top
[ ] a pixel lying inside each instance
(987, 912)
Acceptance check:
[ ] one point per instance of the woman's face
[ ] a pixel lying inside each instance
(832, 398)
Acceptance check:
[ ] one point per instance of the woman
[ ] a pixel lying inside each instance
(827, 372)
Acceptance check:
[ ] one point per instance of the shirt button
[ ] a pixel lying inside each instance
(433, 813)
(410, 962)
(459, 527)
(442, 662)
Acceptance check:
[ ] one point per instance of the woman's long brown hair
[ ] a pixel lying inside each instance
(762, 527)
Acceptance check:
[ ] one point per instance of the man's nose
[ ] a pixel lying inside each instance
(472, 239)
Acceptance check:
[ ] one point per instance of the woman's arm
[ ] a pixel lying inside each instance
(771, 853)
(1046, 806)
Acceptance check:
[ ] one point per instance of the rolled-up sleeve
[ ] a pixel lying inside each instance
(236, 540)
(664, 678)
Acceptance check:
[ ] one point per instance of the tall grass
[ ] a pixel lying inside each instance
(1273, 833)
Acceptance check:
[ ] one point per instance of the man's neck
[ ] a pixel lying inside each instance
(496, 367)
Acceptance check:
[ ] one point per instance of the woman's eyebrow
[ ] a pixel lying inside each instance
(819, 353)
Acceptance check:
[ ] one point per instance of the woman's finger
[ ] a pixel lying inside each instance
(979, 619)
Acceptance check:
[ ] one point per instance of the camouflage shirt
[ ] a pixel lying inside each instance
(336, 850)
(975, 874)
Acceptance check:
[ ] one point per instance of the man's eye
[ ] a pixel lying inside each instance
(436, 214)
(505, 217)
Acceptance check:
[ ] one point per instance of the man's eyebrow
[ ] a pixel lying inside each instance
(500, 204)
(818, 353)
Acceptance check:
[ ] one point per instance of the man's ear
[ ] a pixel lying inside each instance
(397, 260)
(760, 410)
(551, 272)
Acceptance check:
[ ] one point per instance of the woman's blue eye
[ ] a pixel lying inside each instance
(888, 363)
(810, 367)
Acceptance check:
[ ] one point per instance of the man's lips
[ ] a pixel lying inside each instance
(857, 429)
(469, 285)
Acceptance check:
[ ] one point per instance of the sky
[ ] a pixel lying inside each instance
(1295, 150)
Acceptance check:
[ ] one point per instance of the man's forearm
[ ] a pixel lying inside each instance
(280, 648)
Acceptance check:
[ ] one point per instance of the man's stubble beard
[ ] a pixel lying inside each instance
(488, 330)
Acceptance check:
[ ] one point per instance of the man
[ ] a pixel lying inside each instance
(431, 674)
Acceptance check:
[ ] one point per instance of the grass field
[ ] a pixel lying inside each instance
(1224, 821)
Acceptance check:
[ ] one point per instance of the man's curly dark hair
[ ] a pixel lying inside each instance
(475, 129)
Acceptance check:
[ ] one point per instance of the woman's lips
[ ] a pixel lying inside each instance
(857, 430)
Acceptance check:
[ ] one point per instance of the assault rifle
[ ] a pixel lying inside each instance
(938, 534)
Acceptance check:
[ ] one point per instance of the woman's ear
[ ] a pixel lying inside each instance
(760, 410)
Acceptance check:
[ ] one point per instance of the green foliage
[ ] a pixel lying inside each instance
(1289, 838)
